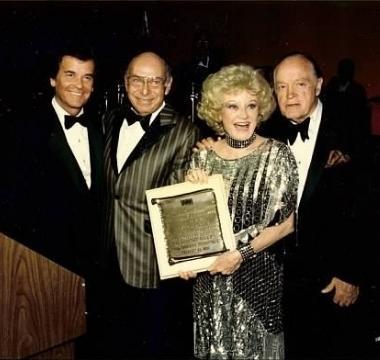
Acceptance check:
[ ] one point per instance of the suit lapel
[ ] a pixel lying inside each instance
(96, 146)
(318, 161)
(61, 149)
(113, 138)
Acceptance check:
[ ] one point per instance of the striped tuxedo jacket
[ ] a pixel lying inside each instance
(159, 159)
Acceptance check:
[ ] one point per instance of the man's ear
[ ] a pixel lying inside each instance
(318, 88)
(168, 85)
(52, 82)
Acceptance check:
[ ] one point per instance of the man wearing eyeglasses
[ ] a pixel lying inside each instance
(147, 146)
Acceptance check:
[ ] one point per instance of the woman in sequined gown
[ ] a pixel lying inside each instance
(237, 302)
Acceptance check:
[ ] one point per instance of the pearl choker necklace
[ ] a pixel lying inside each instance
(239, 144)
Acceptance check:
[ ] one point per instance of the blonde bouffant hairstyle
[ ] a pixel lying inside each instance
(230, 79)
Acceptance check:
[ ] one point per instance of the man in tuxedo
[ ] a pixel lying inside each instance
(55, 166)
(323, 317)
(147, 146)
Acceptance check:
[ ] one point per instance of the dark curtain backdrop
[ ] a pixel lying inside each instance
(255, 32)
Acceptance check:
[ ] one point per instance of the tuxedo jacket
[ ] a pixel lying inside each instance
(48, 204)
(159, 159)
(327, 221)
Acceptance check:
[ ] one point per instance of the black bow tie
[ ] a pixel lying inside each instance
(132, 117)
(71, 120)
(294, 129)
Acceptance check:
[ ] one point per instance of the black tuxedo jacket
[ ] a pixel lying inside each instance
(327, 221)
(47, 205)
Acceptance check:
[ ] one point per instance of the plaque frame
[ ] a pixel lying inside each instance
(167, 270)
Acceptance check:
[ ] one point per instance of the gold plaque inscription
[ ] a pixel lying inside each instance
(191, 225)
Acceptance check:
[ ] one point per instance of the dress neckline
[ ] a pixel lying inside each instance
(253, 152)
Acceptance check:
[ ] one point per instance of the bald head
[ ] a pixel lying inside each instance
(301, 56)
(147, 81)
(149, 59)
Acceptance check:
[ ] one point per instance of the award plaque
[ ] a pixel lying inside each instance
(191, 225)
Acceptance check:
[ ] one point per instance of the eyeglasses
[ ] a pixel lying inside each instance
(139, 81)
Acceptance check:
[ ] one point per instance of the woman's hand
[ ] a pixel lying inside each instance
(187, 275)
(227, 263)
(197, 176)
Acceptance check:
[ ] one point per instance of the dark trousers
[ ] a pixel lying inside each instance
(316, 328)
(140, 323)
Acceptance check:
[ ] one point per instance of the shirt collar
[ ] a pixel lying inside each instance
(62, 112)
(315, 118)
(154, 114)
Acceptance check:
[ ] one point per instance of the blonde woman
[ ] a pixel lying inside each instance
(237, 303)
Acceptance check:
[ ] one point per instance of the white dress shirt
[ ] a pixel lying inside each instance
(130, 136)
(77, 138)
(303, 150)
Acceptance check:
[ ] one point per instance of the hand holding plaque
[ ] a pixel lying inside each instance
(191, 225)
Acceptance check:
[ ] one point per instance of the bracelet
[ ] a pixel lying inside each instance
(247, 252)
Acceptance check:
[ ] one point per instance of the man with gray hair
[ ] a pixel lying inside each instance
(322, 301)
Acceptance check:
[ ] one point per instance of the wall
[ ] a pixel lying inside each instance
(256, 32)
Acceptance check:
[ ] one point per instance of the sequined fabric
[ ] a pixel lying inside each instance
(240, 316)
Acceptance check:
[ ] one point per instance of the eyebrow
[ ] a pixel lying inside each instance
(297, 79)
(146, 77)
(74, 72)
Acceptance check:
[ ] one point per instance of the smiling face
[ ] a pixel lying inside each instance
(147, 83)
(73, 83)
(297, 88)
(239, 114)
